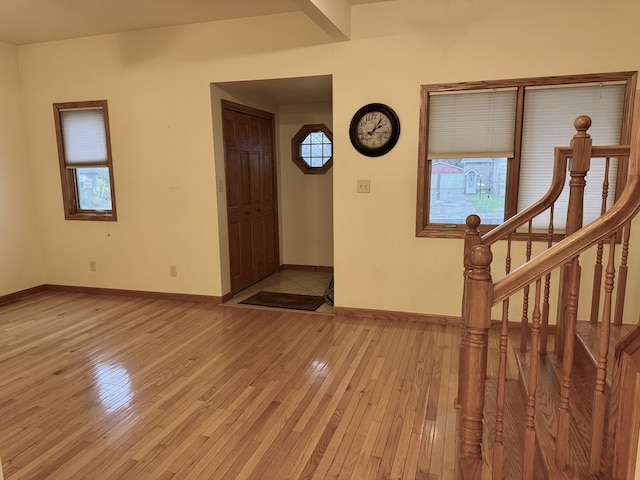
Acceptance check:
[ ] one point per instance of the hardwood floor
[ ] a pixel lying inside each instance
(106, 387)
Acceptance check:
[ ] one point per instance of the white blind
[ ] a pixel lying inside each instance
(548, 122)
(472, 124)
(84, 137)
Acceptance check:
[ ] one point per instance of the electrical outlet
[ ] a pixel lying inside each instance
(364, 186)
(173, 271)
(92, 266)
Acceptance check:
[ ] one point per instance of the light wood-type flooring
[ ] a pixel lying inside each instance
(109, 387)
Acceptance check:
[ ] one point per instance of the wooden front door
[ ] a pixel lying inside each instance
(251, 193)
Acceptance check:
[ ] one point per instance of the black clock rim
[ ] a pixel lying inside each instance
(395, 133)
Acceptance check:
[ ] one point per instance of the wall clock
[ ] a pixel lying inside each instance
(374, 129)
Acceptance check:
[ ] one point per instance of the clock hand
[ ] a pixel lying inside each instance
(378, 125)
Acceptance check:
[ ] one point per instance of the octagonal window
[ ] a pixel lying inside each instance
(312, 148)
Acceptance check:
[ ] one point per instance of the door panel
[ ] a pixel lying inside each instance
(234, 251)
(251, 199)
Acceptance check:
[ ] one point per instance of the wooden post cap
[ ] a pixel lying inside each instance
(473, 221)
(582, 124)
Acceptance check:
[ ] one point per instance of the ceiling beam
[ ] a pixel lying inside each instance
(333, 16)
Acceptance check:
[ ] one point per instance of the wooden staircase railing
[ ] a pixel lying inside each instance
(532, 281)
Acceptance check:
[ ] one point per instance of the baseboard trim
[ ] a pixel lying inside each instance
(226, 297)
(214, 300)
(15, 296)
(306, 268)
(393, 315)
(181, 297)
(420, 317)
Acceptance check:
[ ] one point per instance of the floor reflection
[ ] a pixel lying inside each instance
(114, 386)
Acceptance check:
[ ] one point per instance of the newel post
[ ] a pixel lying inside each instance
(581, 144)
(477, 320)
(471, 239)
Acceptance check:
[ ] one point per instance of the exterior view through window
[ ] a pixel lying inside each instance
(316, 149)
(312, 149)
(94, 188)
(460, 186)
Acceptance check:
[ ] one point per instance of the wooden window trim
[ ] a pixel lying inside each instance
(67, 175)
(423, 228)
(295, 148)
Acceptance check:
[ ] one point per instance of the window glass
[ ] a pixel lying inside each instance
(312, 148)
(316, 149)
(462, 186)
(94, 188)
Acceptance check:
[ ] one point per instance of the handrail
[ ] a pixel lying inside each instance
(622, 211)
(561, 155)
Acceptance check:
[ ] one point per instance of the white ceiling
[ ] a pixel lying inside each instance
(33, 21)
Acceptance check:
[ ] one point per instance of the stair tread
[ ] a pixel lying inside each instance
(513, 434)
(547, 401)
(588, 336)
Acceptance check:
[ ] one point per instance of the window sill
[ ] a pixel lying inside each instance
(458, 231)
(92, 216)
(448, 230)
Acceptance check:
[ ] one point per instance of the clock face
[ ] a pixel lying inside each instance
(374, 129)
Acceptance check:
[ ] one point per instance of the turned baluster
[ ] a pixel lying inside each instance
(622, 278)
(562, 436)
(544, 331)
(599, 398)
(532, 384)
(597, 269)
(471, 239)
(498, 445)
(477, 319)
(580, 162)
(524, 328)
(597, 283)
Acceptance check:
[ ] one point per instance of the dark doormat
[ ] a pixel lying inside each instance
(285, 300)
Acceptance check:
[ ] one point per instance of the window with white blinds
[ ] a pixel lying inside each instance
(470, 129)
(84, 152)
(473, 124)
(84, 137)
(548, 122)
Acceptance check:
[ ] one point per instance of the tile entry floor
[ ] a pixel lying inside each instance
(290, 281)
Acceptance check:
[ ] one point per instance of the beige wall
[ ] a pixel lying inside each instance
(20, 242)
(306, 216)
(396, 47)
(166, 158)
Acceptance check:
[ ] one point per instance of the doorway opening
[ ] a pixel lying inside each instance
(304, 203)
